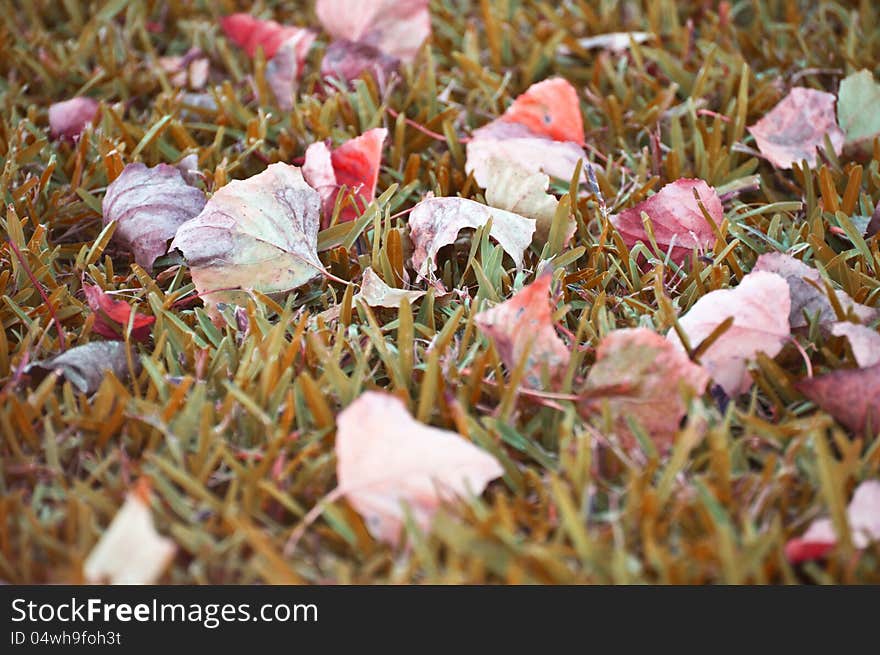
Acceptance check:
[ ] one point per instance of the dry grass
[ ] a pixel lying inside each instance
(235, 429)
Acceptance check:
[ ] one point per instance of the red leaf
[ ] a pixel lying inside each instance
(354, 165)
(676, 219)
(863, 516)
(549, 108)
(69, 118)
(524, 323)
(796, 127)
(542, 131)
(112, 316)
(251, 33)
(852, 396)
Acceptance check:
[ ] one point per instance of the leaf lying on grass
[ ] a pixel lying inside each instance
(863, 516)
(436, 222)
(70, 117)
(260, 233)
(396, 27)
(112, 316)
(130, 551)
(852, 396)
(759, 306)
(678, 223)
(386, 459)
(86, 366)
(656, 378)
(524, 324)
(148, 205)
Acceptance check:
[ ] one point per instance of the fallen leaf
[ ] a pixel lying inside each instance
(524, 323)
(250, 33)
(386, 459)
(857, 102)
(541, 131)
(614, 41)
(353, 165)
(516, 189)
(69, 118)
(347, 60)
(285, 68)
(865, 342)
(376, 293)
(852, 396)
(863, 516)
(549, 108)
(86, 366)
(806, 299)
(436, 222)
(759, 306)
(130, 551)
(112, 316)
(677, 221)
(657, 377)
(149, 204)
(396, 27)
(260, 233)
(796, 127)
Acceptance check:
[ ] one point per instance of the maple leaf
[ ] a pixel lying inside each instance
(353, 165)
(863, 516)
(808, 298)
(542, 131)
(149, 204)
(69, 118)
(796, 128)
(436, 222)
(657, 377)
(678, 223)
(260, 233)
(386, 459)
(524, 324)
(396, 27)
(112, 316)
(759, 306)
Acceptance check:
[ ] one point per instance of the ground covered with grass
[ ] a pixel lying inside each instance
(229, 413)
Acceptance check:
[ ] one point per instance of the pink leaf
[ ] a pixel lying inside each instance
(524, 324)
(678, 223)
(541, 131)
(354, 165)
(865, 342)
(759, 306)
(656, 376)
(149, 204)
(396, 27)
(386, 459)
(69, 118)
(863, 516)
(808, 297)
(285, 68)
(347, 60)
(436, 222)
(797, 126)
(112, 316)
